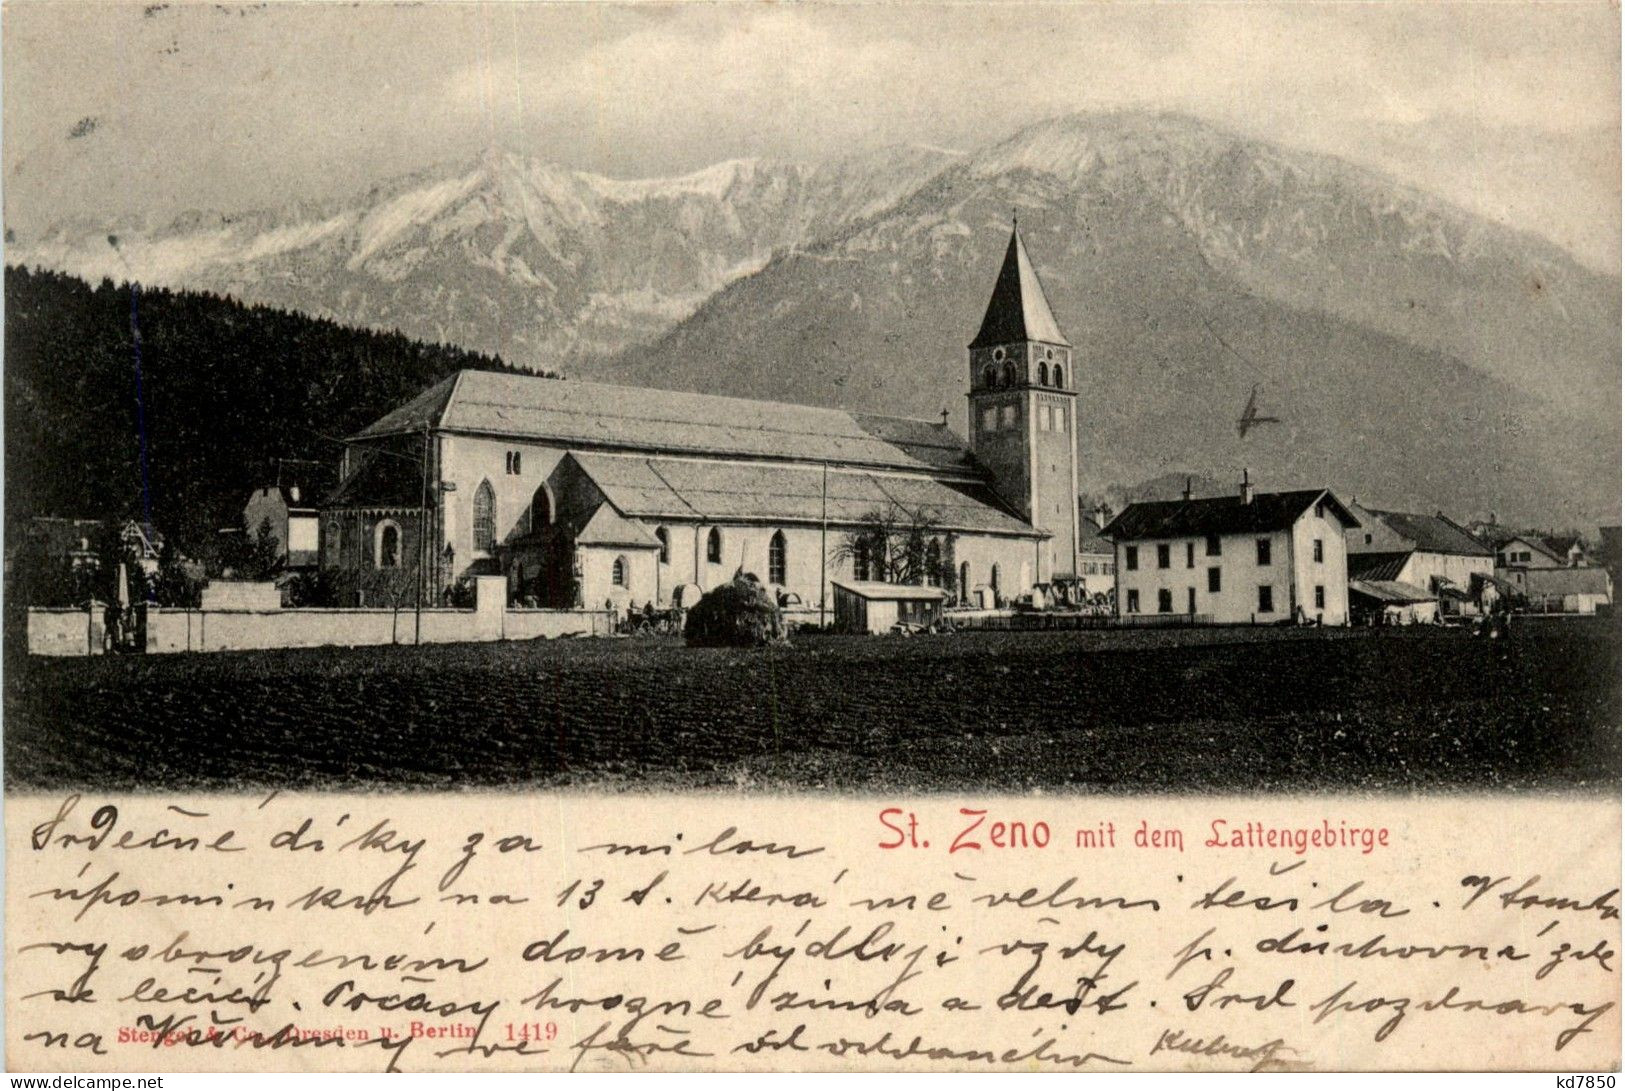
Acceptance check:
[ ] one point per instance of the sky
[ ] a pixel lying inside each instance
(114, 111)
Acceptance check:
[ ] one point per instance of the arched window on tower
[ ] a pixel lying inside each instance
(1043, 374)
(1010, 374)
(485, 518)
(990, 377)
(1059, 376)
(664, 538)
(713, 546)
(777, 566)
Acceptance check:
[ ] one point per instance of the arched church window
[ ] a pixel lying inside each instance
(964, 580)
(777, 566)
(989, 376)
(1010, 374)
(1043, 374)
(1060, 376)
(387, 545)
(485, 518)
(617, 572)
(664, 539)
(713, 546)
(541, 509)
(993, 578)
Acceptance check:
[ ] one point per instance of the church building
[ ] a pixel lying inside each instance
(584, 494)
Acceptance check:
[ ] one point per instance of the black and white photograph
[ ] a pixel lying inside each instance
(831, 403)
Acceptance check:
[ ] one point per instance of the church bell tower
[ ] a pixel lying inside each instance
(1023, 402)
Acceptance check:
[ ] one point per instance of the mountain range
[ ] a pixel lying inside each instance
(1417, 355)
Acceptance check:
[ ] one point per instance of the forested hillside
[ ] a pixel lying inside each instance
(208, 393)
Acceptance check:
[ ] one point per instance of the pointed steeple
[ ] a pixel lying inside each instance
(1018, 310)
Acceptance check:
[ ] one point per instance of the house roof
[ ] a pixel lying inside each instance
(1018, 310)
(1390, 591)
(707, 490)
(1090, 541)
(602, 416)
(1559, 544)
(1377, 566)
(296, 500)
(1427, 533)
(1537, 545)
(1566, 581)
(872, 590)
(1219, 515)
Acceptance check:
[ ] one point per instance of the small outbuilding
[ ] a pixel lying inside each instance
(863, 606)
(1391, 602)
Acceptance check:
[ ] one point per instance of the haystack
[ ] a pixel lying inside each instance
(741, 613)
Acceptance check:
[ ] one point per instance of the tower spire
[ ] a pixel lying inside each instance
(1018, 309)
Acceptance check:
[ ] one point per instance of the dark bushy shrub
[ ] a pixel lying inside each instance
(738, 614)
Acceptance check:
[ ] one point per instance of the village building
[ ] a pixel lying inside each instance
(1097, 558)
(1562, 589)
(291, 517)
(1250, 558)
(1419, 559)
(589, 494)
(866, 607)
(1527, 551)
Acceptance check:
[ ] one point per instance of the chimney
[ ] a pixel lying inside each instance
(1187, 490)
(1246, 487)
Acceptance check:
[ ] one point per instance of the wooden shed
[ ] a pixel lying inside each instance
(868, 607)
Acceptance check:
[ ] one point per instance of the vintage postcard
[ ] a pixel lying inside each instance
(1055, 537)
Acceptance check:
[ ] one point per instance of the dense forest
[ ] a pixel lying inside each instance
(125, 401)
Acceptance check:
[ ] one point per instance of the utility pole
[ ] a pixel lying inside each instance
(823, 542)
(423, 539)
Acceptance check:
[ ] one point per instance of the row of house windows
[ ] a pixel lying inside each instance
(993, 378)
(1131, 554)
(1165, 597)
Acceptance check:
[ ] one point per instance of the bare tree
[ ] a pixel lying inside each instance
(900, 545)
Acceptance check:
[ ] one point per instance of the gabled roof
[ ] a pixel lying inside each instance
(1220, 515)
(707, 490)
(1537, 545)
(1390, 591)
(1376, 566)
(1018, 310)
(1090, 541)
(1559, 545)
(1431, 533)
(382, 480)
(608, 527)
(872, 590)
(600, 416)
